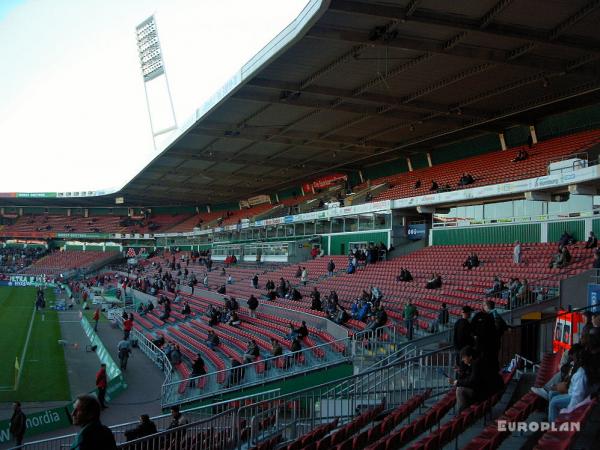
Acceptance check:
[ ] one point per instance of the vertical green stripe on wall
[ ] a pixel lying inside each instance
(596, 227)
(496, 234)
(574, 227)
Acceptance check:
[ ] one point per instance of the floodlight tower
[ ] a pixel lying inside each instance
(153, 70)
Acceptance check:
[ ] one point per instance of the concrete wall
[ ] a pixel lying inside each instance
(573, 291)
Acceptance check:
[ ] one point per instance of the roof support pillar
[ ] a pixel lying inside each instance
(502, 141)
(533, 134)
(409, 162)
(429, 159)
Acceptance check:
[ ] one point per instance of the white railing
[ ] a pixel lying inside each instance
(380, 342)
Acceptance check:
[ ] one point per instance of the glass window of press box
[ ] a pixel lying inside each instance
(522, 209)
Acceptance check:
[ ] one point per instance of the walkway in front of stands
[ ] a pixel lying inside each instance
(144, 379)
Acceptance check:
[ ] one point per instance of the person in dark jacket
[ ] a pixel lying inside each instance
(18, 423)
(486, 339)
(330, 267)
(463, 333)
(236, 373)
(93, 435)
(198, 369)
(470, 381)
(315, 296)
(145, 428)
(252, 305)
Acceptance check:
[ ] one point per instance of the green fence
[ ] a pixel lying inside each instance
(494, 234)
(574, 227)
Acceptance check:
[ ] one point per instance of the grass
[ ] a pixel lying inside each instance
(44, 372)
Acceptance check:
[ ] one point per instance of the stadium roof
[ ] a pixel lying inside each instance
(350, 83)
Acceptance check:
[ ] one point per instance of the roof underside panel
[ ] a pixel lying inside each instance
(367, 81)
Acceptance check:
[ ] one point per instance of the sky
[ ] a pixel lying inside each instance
(73, 112)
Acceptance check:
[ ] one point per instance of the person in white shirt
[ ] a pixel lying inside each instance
(584, 382)
(517, 253)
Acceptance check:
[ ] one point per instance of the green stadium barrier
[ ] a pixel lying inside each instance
(116, 382)
(39, 422)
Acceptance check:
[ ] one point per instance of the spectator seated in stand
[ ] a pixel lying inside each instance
(584, 382)
(234, 320)
(496, 289)
(340, 315)
(592, 241)
(405, 275)
(186, 308)
(559, 383)
(466, 179)
(522, 155)
(295, 295)
(252, 352)
(417, 184)
(212, 340)
(470, 380)
(434, 186)
(471, 261)
(561, 258)
(222, 290)
(435, 282)
(378, 319)
(315, 297)
(566, 239)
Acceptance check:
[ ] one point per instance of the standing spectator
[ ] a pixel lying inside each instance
(96, 319)
(304, 276)
(101, 382)
(177, 420)
(410, 314)
(198, 369)
(463, 333)
(255, 281)
(93, 435)
(124, 348)
(252, 305)
(145, 428)
(127, 326)
(442, 319)
(236, 373)
(517, 253)
(330, 267)
(18, 424)
(487, 339)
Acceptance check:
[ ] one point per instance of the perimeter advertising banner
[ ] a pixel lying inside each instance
(39, 422)
(24, 280)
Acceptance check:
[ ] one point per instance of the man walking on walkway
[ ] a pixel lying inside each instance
(96, 319)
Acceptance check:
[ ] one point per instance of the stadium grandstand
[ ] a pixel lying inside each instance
(380, 234)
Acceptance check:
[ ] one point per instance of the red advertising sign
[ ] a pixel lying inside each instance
(324, 182)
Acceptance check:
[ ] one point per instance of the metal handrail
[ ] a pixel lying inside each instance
(169, 390)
